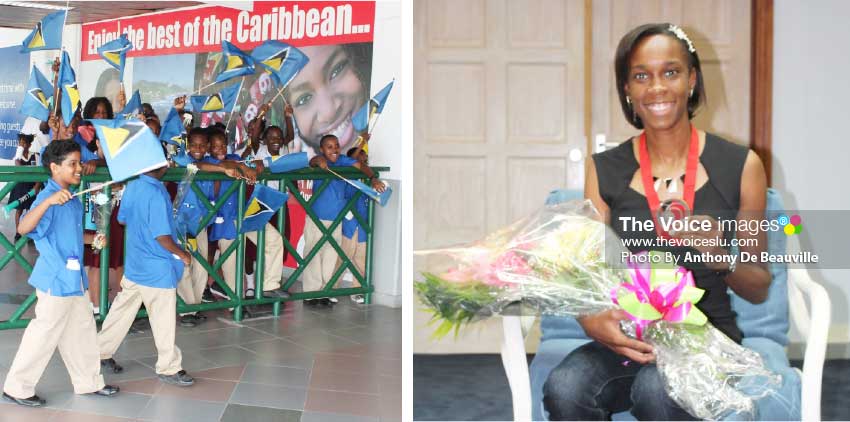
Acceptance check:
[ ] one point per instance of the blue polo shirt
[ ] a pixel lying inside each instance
(328, 205)
(224, 225)
(59, 240)
(191, 200)
(351, 227)
(146, 211)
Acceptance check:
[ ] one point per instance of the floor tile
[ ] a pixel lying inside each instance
(15, 413)
(126, 405)
(322, 343)
(275, 375)
(228, 355)
(69, 416)
(147, 386)
(227, 373)
(203, 389)
(220, 337)
(269, 396)
(243, 413)
(345, 403)
(344, 381)
(133, 370)
(282, 353)
(334, 417)
(181, 409)
(192, 362)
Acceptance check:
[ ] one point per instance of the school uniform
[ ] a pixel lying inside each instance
(224, 231)
(151, 274)
(353, 233)
(63, 316)
(327, 207)
(194, 281)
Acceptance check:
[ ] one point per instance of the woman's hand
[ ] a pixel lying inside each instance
(707, 241)
(604, 327)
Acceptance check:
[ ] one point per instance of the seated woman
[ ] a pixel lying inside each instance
(671, 165)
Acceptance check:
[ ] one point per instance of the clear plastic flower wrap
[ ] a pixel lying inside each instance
(557, 262)
(103, 206)
(186, 215)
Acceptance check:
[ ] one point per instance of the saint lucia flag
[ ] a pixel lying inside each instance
(371, 109)
(282, 61)
(172, 129)
(38, 92)
(381, 198)
(134, 107)
(115, 53)
(261, 206)
(223, 101)
(47, 34)
(236, 63)
(288, 162)
(129, 146)
(68, 87)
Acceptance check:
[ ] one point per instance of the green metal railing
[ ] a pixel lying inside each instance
(287, 182)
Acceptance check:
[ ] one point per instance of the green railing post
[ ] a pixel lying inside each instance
(240, 252)
(103, 300)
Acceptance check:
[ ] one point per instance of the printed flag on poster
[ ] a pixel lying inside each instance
(223, 101)
(39, 91)
(133, 107)
(287, 162)
(47, 34)
(261, 206)
(364, 118)
(172, 129)
(68, 85)
(115, 53)
(236, 63)
(129, 146)
(280, 60)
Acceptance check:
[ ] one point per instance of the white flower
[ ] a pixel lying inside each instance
(680, 34)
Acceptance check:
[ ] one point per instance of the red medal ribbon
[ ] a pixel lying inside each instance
(648, 186)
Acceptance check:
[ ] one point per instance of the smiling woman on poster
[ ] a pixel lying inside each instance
(672, 163)
(328, 91)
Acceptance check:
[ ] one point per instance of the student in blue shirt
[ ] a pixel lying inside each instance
(224, 227)
(191, 287)
(326, 207)
(63, 316)
(154, 266)
(353, 234)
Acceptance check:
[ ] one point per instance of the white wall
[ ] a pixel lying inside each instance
(810, 147)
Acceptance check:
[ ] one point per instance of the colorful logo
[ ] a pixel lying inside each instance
(791, 226)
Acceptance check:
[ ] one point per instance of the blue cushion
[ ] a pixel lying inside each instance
(765, 327)
(770, 318)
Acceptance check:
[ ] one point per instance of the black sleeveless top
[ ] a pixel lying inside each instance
(719, 197)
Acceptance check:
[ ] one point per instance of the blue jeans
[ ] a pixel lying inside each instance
(592, 384)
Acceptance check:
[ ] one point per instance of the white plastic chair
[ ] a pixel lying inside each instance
(811, 321)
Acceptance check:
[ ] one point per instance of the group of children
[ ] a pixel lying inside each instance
(161, 267)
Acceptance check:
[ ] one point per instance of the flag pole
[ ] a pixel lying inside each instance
(229, 118)
(205, 87)
(56, 91)
(96, 188)
(347, 181)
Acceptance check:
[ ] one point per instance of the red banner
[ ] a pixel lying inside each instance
(202, 29)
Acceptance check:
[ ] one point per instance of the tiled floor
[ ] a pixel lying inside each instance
(309, 364)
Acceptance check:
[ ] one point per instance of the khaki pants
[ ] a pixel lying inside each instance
(194, 281)
(161, 305)
(273, 268)
(356, 252)
(66, 322)
(321, 268)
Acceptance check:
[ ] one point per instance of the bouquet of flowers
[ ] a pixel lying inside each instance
(103, 206)
(556, 262)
